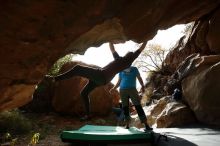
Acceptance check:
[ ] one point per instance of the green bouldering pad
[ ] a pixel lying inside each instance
(110, 134)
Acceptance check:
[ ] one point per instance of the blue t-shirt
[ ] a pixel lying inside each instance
(128, 78)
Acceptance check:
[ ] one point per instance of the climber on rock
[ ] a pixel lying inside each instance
(99, 76)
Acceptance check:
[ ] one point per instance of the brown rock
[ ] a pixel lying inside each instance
(166, 113)
(20, 98)
(175, 114)
(42, 98)
(203, 39)
(214, 33)
(187, 45)
(67, 97)
(201, 90)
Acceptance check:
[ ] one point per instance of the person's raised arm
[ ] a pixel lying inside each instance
(112, 48)
(142, 46)
(138, 51)
(114, 53)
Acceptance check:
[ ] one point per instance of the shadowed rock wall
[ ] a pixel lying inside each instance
(34, 33)
(200, 74)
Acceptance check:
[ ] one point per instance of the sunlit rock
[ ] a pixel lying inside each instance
(166, 113)
(201, 90)
(203, 38)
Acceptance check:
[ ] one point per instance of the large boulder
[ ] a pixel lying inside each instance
(166, 113)
(201, 90)
(174, 114)
(67, 97)
(203, 38)
(214, 33)
(16, 95)
(42, 98)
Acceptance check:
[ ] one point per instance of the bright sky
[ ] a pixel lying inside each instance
(101, 56)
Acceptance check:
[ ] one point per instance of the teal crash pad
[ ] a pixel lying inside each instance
(89, 133)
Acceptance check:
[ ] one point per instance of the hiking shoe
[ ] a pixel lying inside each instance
(147, 128)
(127, 125)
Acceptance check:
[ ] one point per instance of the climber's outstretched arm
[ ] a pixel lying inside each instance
(142, 47)
(138, 51)
(112, 48)
(114, 53)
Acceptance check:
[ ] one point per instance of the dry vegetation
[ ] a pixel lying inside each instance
(23, 129)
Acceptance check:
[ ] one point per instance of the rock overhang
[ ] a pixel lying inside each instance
(34, 34)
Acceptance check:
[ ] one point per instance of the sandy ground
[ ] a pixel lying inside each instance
(196, 135)
(188, 136)
(56, 124)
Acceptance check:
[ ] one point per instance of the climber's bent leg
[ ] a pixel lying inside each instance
(85, 96)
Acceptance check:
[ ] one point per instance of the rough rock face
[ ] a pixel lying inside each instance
(174, 114)
(201, 73)
(203, 39)
(214, 32)
(201, 89)
(67, 97)
(36, 33)
(166, 113)
(16, 95)
(42, 98)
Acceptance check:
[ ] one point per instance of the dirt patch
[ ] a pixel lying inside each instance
(50, 126)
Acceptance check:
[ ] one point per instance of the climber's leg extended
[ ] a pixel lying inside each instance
(91, 73)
